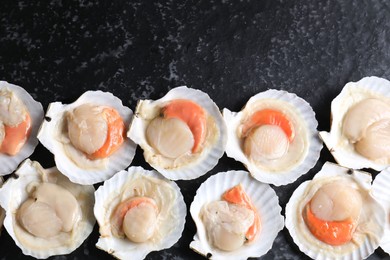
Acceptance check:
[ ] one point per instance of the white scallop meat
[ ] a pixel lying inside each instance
(34, 108)
(267, 152)
(128, 185)
(169, 152)
(69, 160)
(360, 127)
(369, 223)
(37, 239)
(263, 198)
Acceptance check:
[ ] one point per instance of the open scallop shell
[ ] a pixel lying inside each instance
(49, 132)
(2, 211)
(110, 191)
(353, 92)
(263, 198)
(210, 155)
(381, 192)
(14, 193)
(371, 218)
(307, 117)
(10, 163)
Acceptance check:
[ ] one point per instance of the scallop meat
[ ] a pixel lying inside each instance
(236, 217)
(275, 136)
(88, 137)
(138, 211)
(359, 136)
(182, 134)
(335, 216)
(46, 214)
(20, 118)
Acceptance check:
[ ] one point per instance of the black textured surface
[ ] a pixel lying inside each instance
(231, 50)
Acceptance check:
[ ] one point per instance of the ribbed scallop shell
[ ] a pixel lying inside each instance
(209, 156)
(10, 163)
(121, 159)
(234, 150)
(373, 216)
(14, 192)
(381, 192)
(123, 248)
(263, 198)
(2, 212)
(352, 93)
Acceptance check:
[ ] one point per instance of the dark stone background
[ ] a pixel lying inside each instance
(229, 49)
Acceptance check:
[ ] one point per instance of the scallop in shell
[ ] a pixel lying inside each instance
(2, 211)
(46, 214)
(360, 131)
(138, 211)
(381, 192)
(86, 137)
(183, 134)
(334, 215)
(274, 136)
(224, 239)
(20, 117)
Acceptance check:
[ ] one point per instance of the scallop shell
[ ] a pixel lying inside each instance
(209, 156)
(307, 115)
(50, 128)
(263, 198)
(381, 192)
(371, 219)
(14, 193)
(2, 212)
(353, 92)
(10, 163)
(123, 248)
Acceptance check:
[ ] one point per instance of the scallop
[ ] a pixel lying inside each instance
(334, 216)
(381, 192)
(87, 137)
(46, 214)
(20, 118)
(228, 228)
(360, 128)
(138, 212)
(275, 136)
(182, 134)
(2, 211)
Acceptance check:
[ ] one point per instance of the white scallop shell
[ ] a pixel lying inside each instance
(116, 162)
(124, 248)
(381, 192)
(263, 198)
(209, 156)
(14, 192)
(352, 93)
(2, 212)
(372, 216)
(234, 150)
(10, 163)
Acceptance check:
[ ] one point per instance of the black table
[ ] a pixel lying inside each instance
(231, 50)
